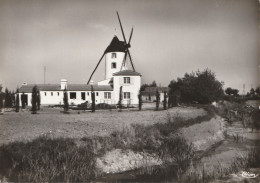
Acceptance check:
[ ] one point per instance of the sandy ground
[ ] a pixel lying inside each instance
(25, 126)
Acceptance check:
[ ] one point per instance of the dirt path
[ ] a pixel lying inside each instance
(25, 126)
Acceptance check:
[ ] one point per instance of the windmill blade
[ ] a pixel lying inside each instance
(131, 59)
(121, 27)
(124, 61)
(96, 67)
(131, 35)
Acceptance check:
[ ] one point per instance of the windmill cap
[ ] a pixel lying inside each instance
(116, 45)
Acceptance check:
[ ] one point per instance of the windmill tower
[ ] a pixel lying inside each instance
(116, 55)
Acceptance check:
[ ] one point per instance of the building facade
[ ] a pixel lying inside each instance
(107, 91)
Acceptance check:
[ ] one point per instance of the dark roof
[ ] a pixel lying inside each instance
(148, 93)
(127, 73)
(70, 87)
(153, 89)
(116, 46)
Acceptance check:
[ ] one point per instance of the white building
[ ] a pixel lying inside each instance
(106, 91)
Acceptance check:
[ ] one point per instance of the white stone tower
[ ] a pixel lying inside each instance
(114, 56)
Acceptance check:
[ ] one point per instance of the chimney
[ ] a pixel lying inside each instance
(63, 84)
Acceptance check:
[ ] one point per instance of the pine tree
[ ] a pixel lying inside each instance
(120, 99)
(140, 102)
(38, 100)
(17, 101)
(8, 98)
(93, 98)
(65, 100)
(34, 100)
(157, 99)
(23, 99)
(164, 101)
(1, 98)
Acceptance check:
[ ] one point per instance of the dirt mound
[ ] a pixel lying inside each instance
(117, 160)
(205, 134)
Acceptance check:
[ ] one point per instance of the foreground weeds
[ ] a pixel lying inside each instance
(46, 160)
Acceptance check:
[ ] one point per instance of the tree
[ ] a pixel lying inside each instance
(38, 100)
(229, 91)
(201, 87)
(8, 98)
(1, 98)
(157, 99)
(164, 101)
(93, 99)
(143, 87)
(252, 92)
(34, 100)
(17, 101)
(120, 99)
(153, 84)
(257, 91)
(174, 92)
(23, 100)
(65, 100)
(140, 102)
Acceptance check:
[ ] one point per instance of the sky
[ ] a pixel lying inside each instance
(170, 38)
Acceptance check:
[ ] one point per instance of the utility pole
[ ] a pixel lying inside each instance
(244, 89)
(44, 74)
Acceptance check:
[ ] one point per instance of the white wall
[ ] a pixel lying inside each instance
(56, 99)
(119, 59)
(133, 88)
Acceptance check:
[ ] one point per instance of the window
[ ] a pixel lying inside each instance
(72, 95)
(96, 93)
(83, 95)
(107, 95)
(113, 55)
(88, 93)
(126, 80)
(126, 95)
(58, 93)
(45, 93)
(51, 93)
(113, 65)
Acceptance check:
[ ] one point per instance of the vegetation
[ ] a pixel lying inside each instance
(164, 101)
(47, 160)
(1, 98)
(65, 100)
(153, 84)
(8, 98)
(61, 160)
(157, 99)
(23, 99)
(120, 98)
(17, 101)
(34, 99)
(140, 102)
(38, 100)
(231, 91)
(201, 87)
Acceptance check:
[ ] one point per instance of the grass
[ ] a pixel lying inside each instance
(203, 174)
(46, 159)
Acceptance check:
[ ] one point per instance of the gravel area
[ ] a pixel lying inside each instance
(25, 126)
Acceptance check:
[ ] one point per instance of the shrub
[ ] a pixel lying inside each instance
(34, 99)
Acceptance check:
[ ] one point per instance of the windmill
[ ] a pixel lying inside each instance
(126, 50)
